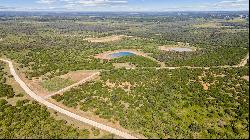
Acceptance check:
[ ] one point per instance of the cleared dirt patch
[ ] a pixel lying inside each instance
(205, 86)
(246, 78)
(106, 39)
(123, 65)
(76, 76)
(180, 47)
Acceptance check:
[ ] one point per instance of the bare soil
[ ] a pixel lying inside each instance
(179, 45)
(76, 76)
(106, 39)
(123, 65)
(246, 78)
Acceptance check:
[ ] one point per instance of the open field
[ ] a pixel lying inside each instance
(208, 25)
(106, 39)
(56, 83)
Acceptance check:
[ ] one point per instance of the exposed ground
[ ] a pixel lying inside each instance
(246, 78)
(244, 61)
(179, 45)
(123, 65)
(76, 76)
(106, 39)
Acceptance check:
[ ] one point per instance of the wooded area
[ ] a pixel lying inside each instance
(157, 103)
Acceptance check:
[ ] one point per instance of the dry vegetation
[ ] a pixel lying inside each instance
(123, 65)
(106, 39)
(246, 78)
(178, 45)
(208, 25)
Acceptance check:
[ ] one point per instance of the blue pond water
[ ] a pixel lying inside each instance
(121, 54)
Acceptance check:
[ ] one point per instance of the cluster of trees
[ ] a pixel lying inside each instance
(219, 56)
(5, 89)
(138, 61)
(169, 103)
(30, 120)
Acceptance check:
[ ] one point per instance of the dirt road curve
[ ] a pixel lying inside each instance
(74, 85)
(63, 111)
(244, 61)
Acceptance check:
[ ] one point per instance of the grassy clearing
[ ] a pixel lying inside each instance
(56, 83)
(208, 25)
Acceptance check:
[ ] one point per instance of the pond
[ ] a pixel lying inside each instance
(121, 54)
(181, 49)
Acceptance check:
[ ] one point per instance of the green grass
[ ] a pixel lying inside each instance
(56, 83)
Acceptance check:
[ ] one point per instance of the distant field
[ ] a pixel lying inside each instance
(208, 25)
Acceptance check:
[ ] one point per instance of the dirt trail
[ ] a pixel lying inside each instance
(63, 111)
(244, 61)
(73, 85)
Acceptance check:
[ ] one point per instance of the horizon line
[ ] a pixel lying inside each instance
(126, 11)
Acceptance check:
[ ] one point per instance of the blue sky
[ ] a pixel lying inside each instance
(124, 5)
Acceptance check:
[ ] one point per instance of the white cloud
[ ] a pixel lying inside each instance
(6, 8)
(46, 1)
(232, 4)
(221, 5)
(98, 2)
(85, 2)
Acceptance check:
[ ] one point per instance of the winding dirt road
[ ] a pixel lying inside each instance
(63, 111)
